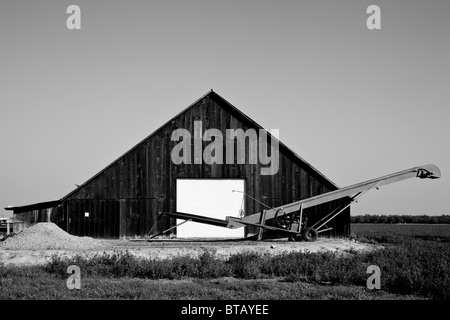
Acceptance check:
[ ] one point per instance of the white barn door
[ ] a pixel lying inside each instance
(211, 198)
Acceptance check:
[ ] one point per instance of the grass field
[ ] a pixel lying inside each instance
(414, 264)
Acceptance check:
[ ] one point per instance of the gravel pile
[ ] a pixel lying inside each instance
(48, 236)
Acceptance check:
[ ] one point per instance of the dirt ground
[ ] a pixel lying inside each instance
(161, 249)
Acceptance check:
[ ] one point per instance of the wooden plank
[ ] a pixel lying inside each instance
(285, 172)
(115, 181)
(233, 168)
(96, 209)
(173, 169)
(251, 153)
(139, 194)
(139, 172)
(273, 190)
(76, 225)
(142, 210)
(131, 223)
(103, 218)
(151, 180)
(197, 141)
(67, 216)
(252, 177)
(144, 169)
(153, 173)
(133, 216)
(76, 218)
(163, 165)
(257, 186)
(250, 190)
(111, 221)
(169, 183)
(99, 219)
(159, 165)
(278, 177)
(96, 187)
(222, 122)
(287, 191)
(107, 181)
(187, 123)
(146, 175)
(122, 179)
(107, 218)
(138, 205)
(304, 184)
(88, 220)
(132, 175)
(294, 182)
(152, 169)
(226, 169)
(127, 178)
(83, 219)
(205, 118)
(69, 221)
(128, 226)
(116, 205)
(153, 217)
(114, 222)
(122, 219)
(214, 124)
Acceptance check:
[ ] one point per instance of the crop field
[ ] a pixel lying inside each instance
(399, 233)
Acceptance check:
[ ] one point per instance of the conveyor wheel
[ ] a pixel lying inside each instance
(309, 234)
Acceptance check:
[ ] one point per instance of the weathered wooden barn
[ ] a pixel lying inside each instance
(124, 199)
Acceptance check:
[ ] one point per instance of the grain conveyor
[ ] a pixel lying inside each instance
(289, 217)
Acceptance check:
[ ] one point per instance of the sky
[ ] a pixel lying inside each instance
(353, 102)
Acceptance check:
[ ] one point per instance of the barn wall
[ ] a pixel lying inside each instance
(125, 198)
(32, 217)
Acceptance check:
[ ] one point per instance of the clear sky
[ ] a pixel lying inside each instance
(355, 103)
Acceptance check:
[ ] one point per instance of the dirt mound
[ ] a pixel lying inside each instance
(48, 236)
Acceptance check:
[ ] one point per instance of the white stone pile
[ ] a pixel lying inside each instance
(48, 236)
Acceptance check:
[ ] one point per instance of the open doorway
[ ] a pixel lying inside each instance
(211, 198)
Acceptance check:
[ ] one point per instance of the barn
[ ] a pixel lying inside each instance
(124, 199)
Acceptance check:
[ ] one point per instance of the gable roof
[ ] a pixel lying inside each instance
(224, 103)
